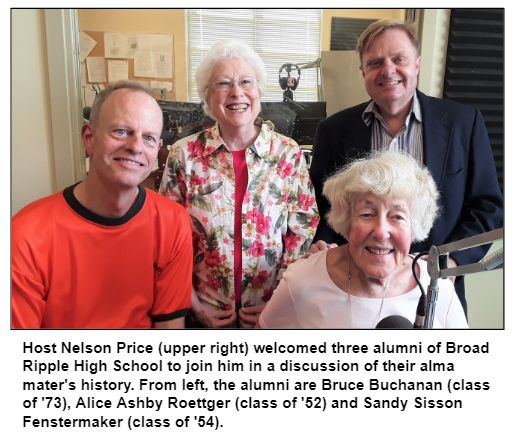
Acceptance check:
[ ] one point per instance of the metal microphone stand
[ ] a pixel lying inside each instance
(439, 255)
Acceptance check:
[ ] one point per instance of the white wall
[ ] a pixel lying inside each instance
(31, 127)
(484, 294)
(434, 41)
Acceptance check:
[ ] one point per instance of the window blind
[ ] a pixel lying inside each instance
(278, 36)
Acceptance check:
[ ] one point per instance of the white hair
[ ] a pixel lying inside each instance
(386, 175)
(225, 49)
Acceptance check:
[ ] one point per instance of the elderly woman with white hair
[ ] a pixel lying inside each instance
(247, 191)
(380, 205)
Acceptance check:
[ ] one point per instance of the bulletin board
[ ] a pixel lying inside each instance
(98, 51)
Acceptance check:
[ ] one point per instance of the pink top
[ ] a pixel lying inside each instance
(241, 180)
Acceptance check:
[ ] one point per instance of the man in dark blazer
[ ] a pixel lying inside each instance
(448, 137)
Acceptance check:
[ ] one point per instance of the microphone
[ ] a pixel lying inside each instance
(492, 261)
(437, 272)
(394, 322)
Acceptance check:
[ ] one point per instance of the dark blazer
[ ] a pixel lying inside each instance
(456, 151)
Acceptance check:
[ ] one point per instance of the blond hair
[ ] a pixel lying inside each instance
(374, 29)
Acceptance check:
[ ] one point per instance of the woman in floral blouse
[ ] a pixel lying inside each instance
(247, 191)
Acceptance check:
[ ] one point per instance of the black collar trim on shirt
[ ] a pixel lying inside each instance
(88, 215)
(172, 316)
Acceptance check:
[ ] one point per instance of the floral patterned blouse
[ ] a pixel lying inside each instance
(279, 212)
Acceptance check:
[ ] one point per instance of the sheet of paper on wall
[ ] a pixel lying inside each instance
(86, 44)
(162, 65)
(157, 43)
(114, 45)
(89, 97)
(143, 66)
(132, 44)
(90, 94)
(96, 69)
(117, 70)
(160, 85)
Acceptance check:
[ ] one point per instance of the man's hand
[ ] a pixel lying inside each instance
(210, 317)
(249, 316)
(319, 246)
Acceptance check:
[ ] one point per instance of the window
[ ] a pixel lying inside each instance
(279, 36)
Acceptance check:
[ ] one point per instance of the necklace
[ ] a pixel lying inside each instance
(349, 292)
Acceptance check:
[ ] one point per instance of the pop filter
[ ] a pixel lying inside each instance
(394, 322)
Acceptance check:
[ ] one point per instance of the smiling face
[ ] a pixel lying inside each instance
(380, 234)
(124, 145)
(390, 70)
(236, 108)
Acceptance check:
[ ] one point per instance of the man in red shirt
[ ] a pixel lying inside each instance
(106, 253)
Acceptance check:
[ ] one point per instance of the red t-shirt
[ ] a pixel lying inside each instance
(241, 180)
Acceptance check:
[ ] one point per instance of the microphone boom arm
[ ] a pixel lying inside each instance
(435, 271)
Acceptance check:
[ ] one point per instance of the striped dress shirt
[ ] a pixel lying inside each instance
(409, 138)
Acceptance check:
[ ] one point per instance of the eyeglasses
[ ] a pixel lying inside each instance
(245, 83)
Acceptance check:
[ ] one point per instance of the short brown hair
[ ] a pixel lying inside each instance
(104, 94)
(374, 29)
